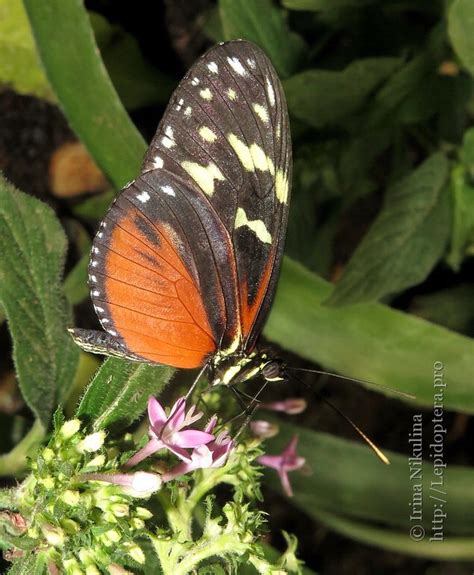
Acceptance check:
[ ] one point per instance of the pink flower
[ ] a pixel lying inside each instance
(263, 429)
(287, 461)
(214, 454)
(169, 432)
(138, 484)
(291, 406)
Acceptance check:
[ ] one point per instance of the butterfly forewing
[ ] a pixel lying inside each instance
(186, 260)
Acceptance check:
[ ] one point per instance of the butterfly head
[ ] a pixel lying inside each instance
(239, 368)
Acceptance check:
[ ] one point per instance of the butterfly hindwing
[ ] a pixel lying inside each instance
(185, 262)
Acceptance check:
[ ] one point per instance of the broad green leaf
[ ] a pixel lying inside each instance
(462, 235)
(75, 284)
(137, 82)
(263, 23)
(33, 246)
(327, 97)
(19, 65)
(119, 392)
(324, 5)
(452, 307)
(70, 57)
(348, 480)
(461, 31)
(369, 341)
(94, 208)
(408, 96)
(405, 241)
(449, 549)
(467, 151)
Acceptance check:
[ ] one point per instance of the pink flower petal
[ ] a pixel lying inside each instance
(180, 452)
(211, 424)
(191, 438)
(273, 461)
(150, 448)
(285, 482)
(177, 414)
(156, 413)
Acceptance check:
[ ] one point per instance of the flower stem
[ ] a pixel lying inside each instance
(14, 462)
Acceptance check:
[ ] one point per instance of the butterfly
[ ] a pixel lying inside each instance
(185, 264)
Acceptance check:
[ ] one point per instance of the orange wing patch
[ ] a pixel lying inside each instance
(153, 300)
(249, 311)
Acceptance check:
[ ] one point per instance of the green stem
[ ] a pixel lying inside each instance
(14, 462)
(220, 546)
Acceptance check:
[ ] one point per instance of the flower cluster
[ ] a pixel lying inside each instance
(82, 508)
(80, 526)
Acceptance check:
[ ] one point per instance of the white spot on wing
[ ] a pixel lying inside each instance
(251, 63)
(204, 176)
(206, 94)
(168, 190)
(99, 309)
(188, 111)
(281, 186)
(157, 162)
(96, 293)
(213, 67)
(93, 279)
(143, 197)
(236, 65)
(252, 158)
(94, 263)
(112, 332)
(105, 320)
(168, 142)
(207, 134)
(195, 81)
(95, 250)
(231, 93)
(270, 92)
(179, 105)
(257, 226)
(261, 112)
(100, 234)
(169, 132)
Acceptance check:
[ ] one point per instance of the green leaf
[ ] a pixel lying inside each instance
(97, 116)
(451, 549)
(467, 151)
(369, 341)
(243, 19)
(405, 241)
(328, 97)
(33, 246)
(409, 95)
(119, 392)
(348, 480)
(137, 82)
(19, 65)
(462, 235)
(75, 285)
(324, 5)
(453, 307)
(94, 208)
(461, 31)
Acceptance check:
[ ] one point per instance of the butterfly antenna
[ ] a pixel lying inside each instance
(378, 452)
(363, 381)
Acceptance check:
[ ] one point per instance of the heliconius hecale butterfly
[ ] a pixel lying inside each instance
(185, 264)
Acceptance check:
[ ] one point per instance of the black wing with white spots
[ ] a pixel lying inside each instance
(225, 136)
